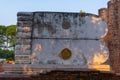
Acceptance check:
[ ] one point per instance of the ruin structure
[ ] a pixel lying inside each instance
(111, 15)
(68, 41)
(60, 40)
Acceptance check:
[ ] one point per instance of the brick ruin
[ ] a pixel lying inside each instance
(59, 41)
(112, 16)
(24, 49)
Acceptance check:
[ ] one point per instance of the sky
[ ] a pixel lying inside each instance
(9, 8)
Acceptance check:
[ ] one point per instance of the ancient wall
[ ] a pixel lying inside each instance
(49, 37)
(54, 32)
(23, 47)
(112, 39)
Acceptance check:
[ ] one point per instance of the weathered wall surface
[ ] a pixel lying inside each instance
(80, 34)
(23, 42)
(83, 51)
(43, 36)
(68, 25)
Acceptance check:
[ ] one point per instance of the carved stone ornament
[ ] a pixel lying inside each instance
(65, 54)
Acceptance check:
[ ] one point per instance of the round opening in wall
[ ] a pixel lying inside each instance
(66, 25)
(65, 54)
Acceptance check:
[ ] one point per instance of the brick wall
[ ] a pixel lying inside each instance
(66, 75)
(113, 36)
(23, 41)
(114, 27)
(103, 12)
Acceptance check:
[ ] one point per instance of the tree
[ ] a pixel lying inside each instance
(7, 36)
(11, 34)
(2, 35)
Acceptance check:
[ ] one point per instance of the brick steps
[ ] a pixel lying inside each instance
(35, 69)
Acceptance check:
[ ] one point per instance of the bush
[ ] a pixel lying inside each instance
(7, 54)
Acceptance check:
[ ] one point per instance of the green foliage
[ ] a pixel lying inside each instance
(8, 35)
(2, 39)
(2, 29)
(11, 32)
(2, 34)
(12, 40)
(7, 54)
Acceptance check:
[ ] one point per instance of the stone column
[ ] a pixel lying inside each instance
(114, 37)
(23, 41)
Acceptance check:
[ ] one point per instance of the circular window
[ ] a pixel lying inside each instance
(65, 54)
(66, 25)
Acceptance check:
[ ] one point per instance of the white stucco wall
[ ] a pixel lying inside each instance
(47, 51)
(49, 25)
(52, 32)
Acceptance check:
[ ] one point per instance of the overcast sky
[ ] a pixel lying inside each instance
(9, 8)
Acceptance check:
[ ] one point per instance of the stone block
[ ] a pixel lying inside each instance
(22, 59)
(24, 14)
(23, 29)
(25, 23)
(22, 47)
(100, 67)
(23, 35)
(21, 52)
(20, 41)
(25, 18)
